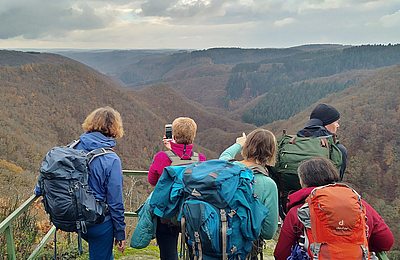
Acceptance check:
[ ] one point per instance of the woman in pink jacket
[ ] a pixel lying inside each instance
(318, 172)
(183, 134)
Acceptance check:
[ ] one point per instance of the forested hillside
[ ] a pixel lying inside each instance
(215, 131)
(281, 102)
(282, 79)
(45, 98)
(369, 128)
(113, 62)
(256, 86)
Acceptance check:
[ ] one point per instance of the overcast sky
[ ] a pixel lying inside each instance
(195, 24)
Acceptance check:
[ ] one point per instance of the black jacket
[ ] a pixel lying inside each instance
(314, 128)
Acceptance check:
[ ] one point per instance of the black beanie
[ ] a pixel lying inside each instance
(326, 113)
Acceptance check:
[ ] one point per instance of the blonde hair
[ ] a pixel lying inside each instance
(260, 146)
(184, 130)
(105, 120)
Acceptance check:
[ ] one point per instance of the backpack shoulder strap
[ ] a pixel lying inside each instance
(73, 143)
(258, 169)
(98, 152)
(173, 157)
(195, 157)
(176, 160)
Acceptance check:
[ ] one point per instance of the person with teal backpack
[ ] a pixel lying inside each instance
(220, 216)
(258, 150)
(217, 207)
(180, 151)
(318, 138)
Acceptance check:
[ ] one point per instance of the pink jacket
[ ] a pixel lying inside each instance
(161, 160)
(380, 238)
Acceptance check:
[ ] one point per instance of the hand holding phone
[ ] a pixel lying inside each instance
(168, 131)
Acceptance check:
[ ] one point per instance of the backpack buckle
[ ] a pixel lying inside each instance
(232, 213)
(222, 212)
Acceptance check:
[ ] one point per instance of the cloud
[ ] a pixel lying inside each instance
(33, 19)
(391, 20)
(195, 23)
(184, 11)
(284, 22)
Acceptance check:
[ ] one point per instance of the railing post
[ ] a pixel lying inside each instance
(10, 243)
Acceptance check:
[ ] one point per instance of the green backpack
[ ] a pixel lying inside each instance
(292, 150)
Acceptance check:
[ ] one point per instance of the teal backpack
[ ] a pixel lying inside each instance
(220, 215)
(213, 200)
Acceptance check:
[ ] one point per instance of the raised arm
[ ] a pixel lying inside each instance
(234, 149)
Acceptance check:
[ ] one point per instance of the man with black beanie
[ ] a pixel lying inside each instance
(324, 121)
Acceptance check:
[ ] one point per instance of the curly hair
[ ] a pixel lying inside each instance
(105, 120)
(184, 130)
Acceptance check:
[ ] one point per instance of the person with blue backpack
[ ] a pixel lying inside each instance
(105, 180)
(258, 150)
(214, 202)
(180, 151)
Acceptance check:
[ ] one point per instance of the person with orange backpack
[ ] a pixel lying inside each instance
(329, 220)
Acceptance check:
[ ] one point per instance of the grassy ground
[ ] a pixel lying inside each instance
(152, 252)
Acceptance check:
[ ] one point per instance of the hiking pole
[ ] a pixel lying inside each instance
(55, 245)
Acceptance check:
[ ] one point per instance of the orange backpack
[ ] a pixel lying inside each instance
(335, 223)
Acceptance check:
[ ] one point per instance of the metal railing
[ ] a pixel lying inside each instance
(6, 226)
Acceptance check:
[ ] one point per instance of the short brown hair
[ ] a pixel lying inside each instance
(105, 120)
(317, 171)
(260, 146)
(184, 130)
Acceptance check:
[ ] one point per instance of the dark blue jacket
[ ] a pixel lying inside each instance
(106, 178)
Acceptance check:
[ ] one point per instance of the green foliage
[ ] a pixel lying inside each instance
(282, 103)
(25, 232)
(394, 255)
(285, 75)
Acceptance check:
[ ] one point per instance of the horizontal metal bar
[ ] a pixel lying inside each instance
(42, 243)
(5, 223)
(134, 173)
(130, 214)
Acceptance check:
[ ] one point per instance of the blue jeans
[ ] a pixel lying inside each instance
(167, 240)
(100, 238)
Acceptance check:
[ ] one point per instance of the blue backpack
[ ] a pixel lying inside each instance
(67, 197)
(63, 181)
(215, 205)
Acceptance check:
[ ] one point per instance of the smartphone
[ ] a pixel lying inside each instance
(168, 131)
